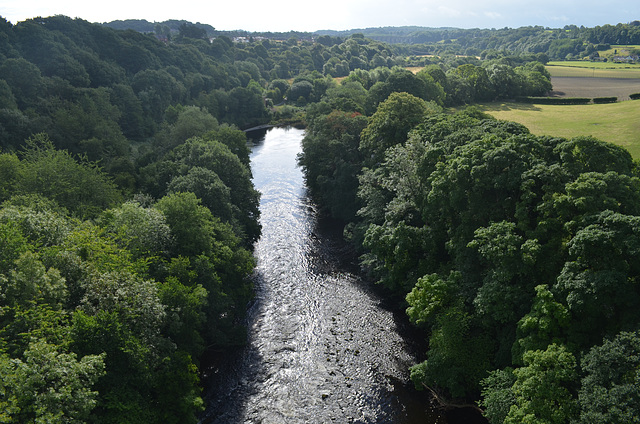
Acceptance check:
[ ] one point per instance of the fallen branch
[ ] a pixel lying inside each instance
(446, 404)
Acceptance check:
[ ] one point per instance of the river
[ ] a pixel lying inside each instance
(321, 346)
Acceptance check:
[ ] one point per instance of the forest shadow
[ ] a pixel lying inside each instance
(507, 106)
(231, 377)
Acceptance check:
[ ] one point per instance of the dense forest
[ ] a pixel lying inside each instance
(569, 42)
(128, 217)
(515, 254)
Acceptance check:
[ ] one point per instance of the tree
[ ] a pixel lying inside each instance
(507, 259)
(478, 80)
(191, 224)
(142, 230)
(191, 121)
(497, 395)
(434, 89)
(30, 282)
(209, 188)
(10, 171)
(430, 297)
(545, 324)
(332, 178)
(215, 157)
(24, 79)
(610, 392)
(504, 80)
(49, 385)
(233, 138)
(300, 92)
(599, 278)
(390, 125)
(192, 31)
(458, 356)
(157, 90)
(80, 187)
(544, 388)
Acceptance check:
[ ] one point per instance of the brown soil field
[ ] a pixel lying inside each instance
(594, 87)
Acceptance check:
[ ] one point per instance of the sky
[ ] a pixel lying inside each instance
(297, 15)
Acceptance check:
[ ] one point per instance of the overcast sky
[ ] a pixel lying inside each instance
(286, 15)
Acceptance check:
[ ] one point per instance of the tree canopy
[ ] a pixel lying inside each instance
(512, 252)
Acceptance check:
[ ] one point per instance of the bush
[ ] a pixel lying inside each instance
(599, 100)
(555, 100)
(634, 96)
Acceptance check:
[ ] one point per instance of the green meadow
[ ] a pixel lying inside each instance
(617, 123)
(580, 68)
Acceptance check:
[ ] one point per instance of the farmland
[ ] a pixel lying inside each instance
(617, 123)
(595, 87)
(581, 68)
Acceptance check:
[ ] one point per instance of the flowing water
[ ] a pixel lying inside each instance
(321, 347)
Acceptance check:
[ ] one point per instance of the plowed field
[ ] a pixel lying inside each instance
(595, 87)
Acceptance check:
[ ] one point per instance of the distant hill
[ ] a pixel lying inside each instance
(142, 25)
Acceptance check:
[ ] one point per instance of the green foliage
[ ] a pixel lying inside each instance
(543, 388)
(600, 100)
(49, 385)
(497, 395)
(543, 325)
(458, 356)
(80, 187)
(190, 122)
(390, 125)
(598, 279)
(430, 297)
(39, 219)
(143, 231)
(215, 174)
(610, 391)
(185, 307)
(12, 245)
(514, 253)
(332, 161)
(192, 225)
(30, 281)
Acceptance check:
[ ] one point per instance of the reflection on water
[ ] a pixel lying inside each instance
(321, 348)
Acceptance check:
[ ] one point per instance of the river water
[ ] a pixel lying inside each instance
(321, 346)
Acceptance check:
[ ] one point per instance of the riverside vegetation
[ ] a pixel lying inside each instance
(129, 215)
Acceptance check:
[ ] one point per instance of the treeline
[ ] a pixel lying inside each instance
(515, 254)
(172, 29)
(112, 94)
(127, 219)
(569, 42)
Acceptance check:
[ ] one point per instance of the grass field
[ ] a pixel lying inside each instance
(581, 68)
(617, 123)
(619, 50)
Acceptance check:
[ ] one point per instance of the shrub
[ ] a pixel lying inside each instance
(556, 100)
(599, 100)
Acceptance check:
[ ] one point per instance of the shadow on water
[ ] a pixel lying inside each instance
(322, 346)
